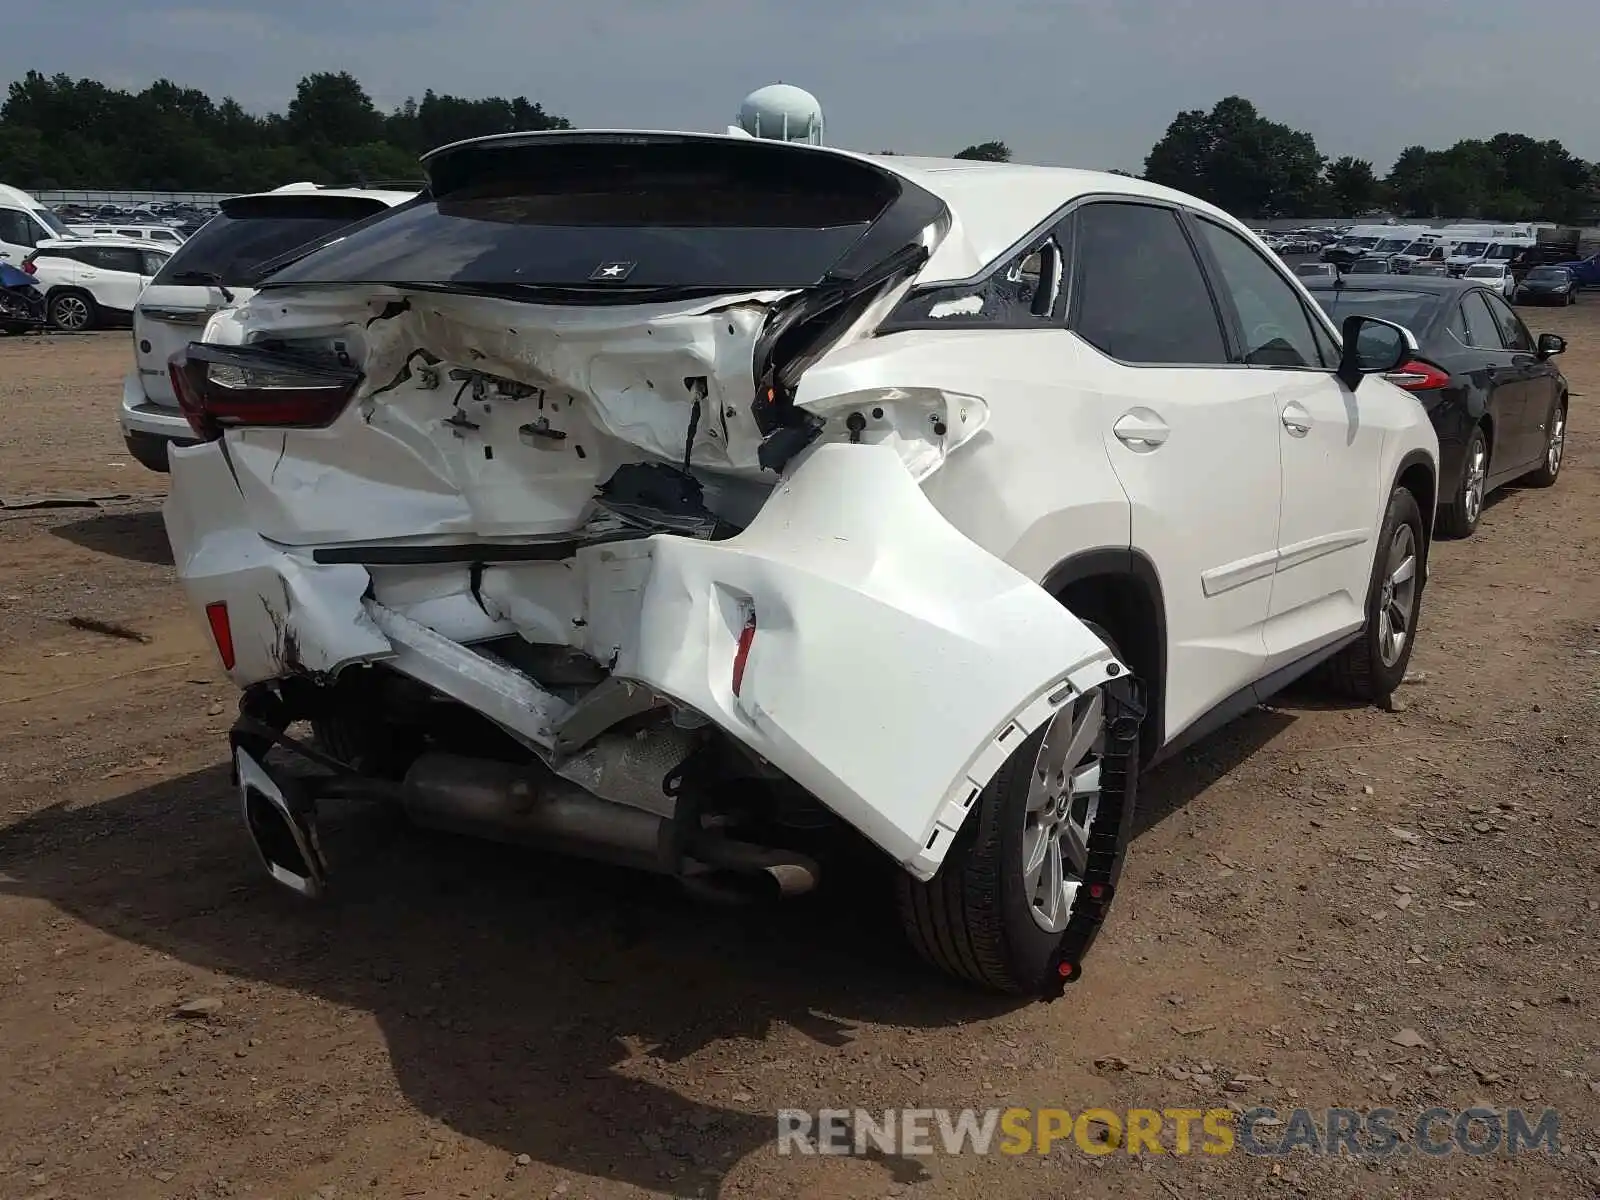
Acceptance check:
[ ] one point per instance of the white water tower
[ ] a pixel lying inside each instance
(783, 113)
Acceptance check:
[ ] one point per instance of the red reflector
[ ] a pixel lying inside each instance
(30, 267)
(221, 631)
(747, 636)
(1418, 376)
(1096, 890)
(1065, 970)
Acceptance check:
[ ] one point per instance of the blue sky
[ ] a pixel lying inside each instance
(1087, 83)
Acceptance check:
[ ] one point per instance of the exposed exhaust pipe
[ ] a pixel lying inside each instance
(524, 804)
(283, 827)
(531, 806)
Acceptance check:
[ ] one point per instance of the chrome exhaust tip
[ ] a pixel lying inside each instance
(279, 818)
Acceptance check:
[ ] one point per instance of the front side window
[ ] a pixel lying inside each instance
(1138, 292)
(1514, 334)
(154, 260)
(1277, 331)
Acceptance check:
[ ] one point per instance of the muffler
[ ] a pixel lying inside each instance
(515, 803)
(531, 806)
(281, 819)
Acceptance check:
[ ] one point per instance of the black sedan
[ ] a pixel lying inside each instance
(1547, 285)
(1496, 397)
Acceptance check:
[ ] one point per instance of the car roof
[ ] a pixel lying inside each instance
(992, 205)
(388, 196)
(1444, 285)
(126, 243)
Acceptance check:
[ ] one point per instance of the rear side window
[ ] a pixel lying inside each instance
(113, 258)
(231, 245)
(1277, 332)
(1482, 331)
(1138, 292)
(1514, 334)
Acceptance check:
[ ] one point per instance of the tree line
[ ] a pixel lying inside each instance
(1253, 167)
(60, 132)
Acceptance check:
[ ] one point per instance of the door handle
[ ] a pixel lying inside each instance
(1141, 430)
(1296, 420)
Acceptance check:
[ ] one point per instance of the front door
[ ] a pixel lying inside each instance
(1193, 438)
(1330, 453)
(1535, 380)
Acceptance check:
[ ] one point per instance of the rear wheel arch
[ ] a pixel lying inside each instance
(1120, 590)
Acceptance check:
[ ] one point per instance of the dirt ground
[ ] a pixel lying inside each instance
(466, 1020)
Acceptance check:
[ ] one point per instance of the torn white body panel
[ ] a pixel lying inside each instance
(847, 566)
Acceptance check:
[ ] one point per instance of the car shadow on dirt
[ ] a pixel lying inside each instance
(531, 1002)
(135, 536)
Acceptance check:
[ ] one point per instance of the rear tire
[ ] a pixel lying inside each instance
(1459, 518)
(72, 311)
(1371, 667)
(976, 919)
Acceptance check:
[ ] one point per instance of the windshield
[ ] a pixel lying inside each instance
(229, 247)
(1419, 248)
(1414, 310)
(54, 223)
(598, 218)
(1363, 243)
(1469, 249)
(1548, 274)
(1504, 251)
(1485, 272)
(1392, 245)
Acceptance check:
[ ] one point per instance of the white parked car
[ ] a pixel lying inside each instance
(213, 269)
(1493, 274)
(664, 497)
(89, 283)
(163, 235)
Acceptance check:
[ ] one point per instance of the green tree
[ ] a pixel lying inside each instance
(57, 131)
(986, 152)
(1239, 160)
(1352, 187)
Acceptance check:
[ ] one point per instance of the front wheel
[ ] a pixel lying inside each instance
(1028, 873)
(1554, 446)
(1371, 667)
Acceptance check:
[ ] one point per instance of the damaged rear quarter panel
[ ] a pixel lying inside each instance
(890, 654)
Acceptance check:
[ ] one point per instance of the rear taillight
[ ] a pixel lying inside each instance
(224, 387)
(1418, 376)
(29, 266)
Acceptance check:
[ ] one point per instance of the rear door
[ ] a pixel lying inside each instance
(1330, 452)
(1192, 435)
(1506, 375)
(113, 275)
(1535, 383)
(218, 262)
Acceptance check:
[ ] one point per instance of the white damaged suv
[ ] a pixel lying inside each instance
(672, 499)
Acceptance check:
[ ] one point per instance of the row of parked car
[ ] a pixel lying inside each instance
(488, 494)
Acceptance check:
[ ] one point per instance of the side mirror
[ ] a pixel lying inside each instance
(1551, 344)
(1373, 347)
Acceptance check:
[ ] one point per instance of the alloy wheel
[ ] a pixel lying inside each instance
(1397, 596)
(1063, 802)
(71, 313)
(1558, 437)
(1472, 492)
